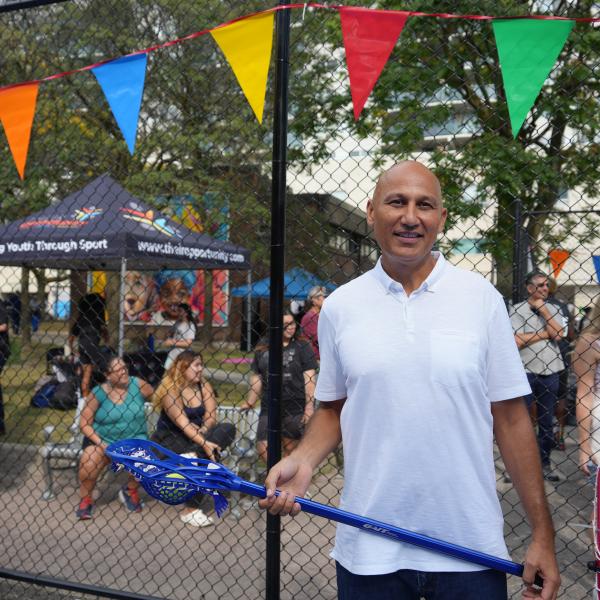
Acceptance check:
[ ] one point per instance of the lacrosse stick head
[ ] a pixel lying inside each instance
(170, 477)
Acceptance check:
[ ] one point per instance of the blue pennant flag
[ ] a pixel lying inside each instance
(122, 82)
(597, 265)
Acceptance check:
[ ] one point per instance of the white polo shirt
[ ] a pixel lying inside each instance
(419, 374)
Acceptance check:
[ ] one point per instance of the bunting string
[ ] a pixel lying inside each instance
(369, 36)
(303, 5)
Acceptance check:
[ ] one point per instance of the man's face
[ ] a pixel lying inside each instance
(406, 213)
(538, 288)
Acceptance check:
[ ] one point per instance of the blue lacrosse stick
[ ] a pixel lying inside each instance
(174, 479)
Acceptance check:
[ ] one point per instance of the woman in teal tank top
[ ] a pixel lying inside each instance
(113, 410)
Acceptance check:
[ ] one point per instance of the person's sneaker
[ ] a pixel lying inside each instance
(550, 474)
(197, 519)
(130, 498)
(84, 512)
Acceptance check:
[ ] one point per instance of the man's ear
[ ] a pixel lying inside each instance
(370, 219)
(443, 219)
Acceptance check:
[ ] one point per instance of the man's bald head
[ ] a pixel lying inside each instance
(408, 170)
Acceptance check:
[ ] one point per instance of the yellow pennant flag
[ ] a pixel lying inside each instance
(247, 46)
(17, 109)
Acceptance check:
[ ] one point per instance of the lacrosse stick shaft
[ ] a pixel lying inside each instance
(396, 533)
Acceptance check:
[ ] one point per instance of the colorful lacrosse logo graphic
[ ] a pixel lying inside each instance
(87, 214)
(80, 217)
(148, 220)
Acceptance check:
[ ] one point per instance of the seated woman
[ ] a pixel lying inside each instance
(188, 421)
(113, 411)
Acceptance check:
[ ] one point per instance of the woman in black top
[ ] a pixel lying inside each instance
(188, 421)
(89, 329)
(299, 380)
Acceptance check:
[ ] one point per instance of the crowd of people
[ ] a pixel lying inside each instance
(425, 365)
(116, 405)
(422, 367)
(417, 363)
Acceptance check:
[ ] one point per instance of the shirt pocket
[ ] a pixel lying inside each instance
(454, 357)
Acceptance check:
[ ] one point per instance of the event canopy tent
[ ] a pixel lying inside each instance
(102, 226)
(297, 284)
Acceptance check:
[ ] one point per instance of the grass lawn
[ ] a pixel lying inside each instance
(24, 423)
(26, 366)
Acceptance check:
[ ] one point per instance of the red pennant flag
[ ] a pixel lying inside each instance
(558, 258)
(369, 38)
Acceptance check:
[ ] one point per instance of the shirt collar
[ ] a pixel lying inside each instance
(428, 285)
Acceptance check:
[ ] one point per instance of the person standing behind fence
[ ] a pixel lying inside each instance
(113, 411)
(419, 372)
(538, 327)
(310, 320)
(4, 355)
(586, 364)
(299, 378)
(188, 421)
(182, 334)
(89, 330)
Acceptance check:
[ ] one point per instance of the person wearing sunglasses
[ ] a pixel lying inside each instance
(538, 326)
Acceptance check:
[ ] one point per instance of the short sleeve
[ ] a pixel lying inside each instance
(506, 376)
(560, 314)
(307, 357)
(331, 383)
(189, 332)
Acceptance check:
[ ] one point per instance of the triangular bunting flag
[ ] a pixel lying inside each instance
(369, 38)
(558, 258)
(122, 82)
(247, 46)
(527, 49)
(17, 109)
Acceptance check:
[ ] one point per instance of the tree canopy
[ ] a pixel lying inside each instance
(196, 133)
(443, 81)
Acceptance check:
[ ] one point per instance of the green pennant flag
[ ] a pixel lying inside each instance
(527, 49)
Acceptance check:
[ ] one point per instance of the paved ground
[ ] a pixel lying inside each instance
(153, 553)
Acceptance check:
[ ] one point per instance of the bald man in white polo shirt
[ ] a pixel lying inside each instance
(416, 388)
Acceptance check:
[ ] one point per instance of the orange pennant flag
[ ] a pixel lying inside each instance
(17, 109)
(558, 258)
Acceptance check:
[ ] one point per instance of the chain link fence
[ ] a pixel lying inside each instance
(202, 167)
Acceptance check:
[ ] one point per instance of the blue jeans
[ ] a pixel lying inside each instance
(545, 394)
(414, 585)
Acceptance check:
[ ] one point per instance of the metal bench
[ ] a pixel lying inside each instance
(241, 457)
